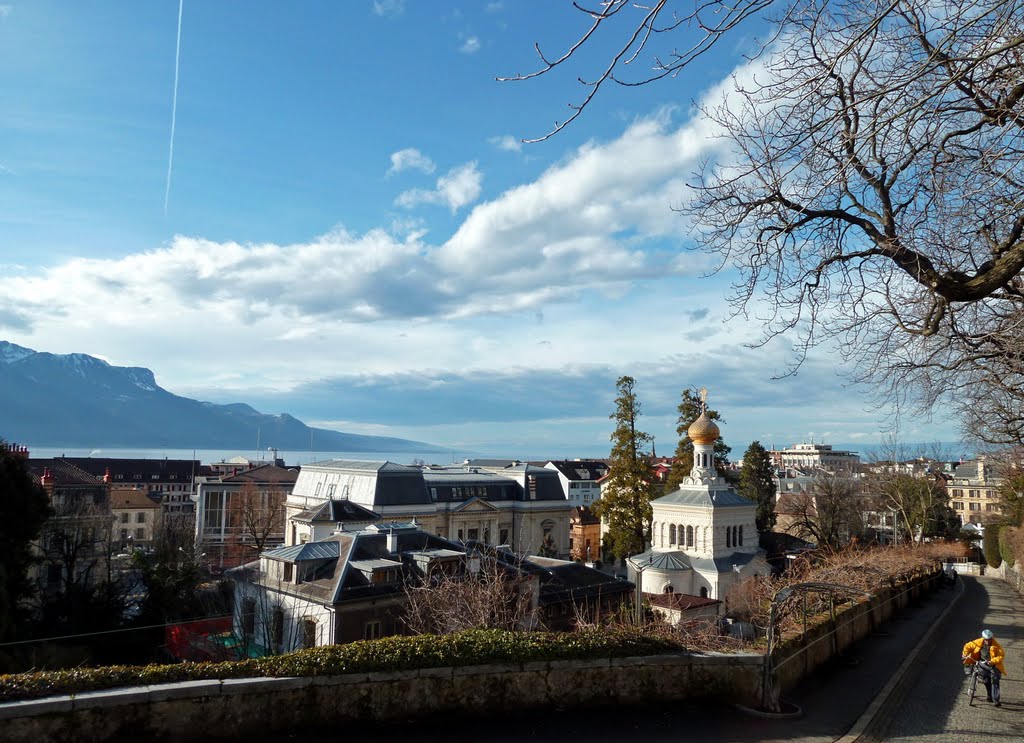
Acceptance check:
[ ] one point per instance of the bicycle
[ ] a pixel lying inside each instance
(972, 670)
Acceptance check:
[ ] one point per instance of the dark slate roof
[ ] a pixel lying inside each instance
(336, 511)
(307, 551)
(583, 515)
(709, 498)
(589, 469)
(266, 473)
(182, 469)
(365, 466)
(64, 472)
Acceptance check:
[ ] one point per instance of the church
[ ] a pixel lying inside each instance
(703, 535)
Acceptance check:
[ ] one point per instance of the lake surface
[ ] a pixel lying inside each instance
(291, 458)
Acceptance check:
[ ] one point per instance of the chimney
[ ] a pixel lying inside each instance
(392, 542)
(47, 478)
(106, 476)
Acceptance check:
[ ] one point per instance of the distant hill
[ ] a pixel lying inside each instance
(77, 400)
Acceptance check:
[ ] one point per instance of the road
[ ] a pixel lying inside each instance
(930, 705)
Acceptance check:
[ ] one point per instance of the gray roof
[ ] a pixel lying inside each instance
(363, 466)
(673, 560)
(306, 551)
(724, 564)
(336, 511)
(706, 497)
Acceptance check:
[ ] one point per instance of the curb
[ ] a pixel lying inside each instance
(868, 716)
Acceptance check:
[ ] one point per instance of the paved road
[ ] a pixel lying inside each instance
(930, 705)
(927, 705)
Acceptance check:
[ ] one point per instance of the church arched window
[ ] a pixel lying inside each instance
(672, 535)
(728, 537)
(703, 592)
(689, 536)
(741, 535)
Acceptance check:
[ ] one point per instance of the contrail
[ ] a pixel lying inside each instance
(174, 109)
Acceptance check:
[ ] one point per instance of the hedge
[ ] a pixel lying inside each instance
(399, 653)
(990, 544)
(1005, 545)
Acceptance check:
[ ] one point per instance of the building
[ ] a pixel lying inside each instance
(815, 456)
(76, 541)
(703, 535)
(242, 514)
(517, 505)
(974, 491)
(579, 479)
(170, 480)
(353, 586)
(136, 514)
(584, 535)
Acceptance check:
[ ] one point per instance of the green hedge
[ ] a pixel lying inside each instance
(471, 647)
(1005, 546)
(990, 544)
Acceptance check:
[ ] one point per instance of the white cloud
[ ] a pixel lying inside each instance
(471, 45)
(457, 188)
(5, 10)
(388, 7)
(494, 7)
(410, 159)
(507, 142)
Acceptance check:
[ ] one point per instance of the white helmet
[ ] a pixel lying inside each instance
(986, 634)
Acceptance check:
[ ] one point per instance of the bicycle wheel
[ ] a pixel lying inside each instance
(973, 686)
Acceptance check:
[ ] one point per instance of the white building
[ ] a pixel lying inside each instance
(816, 456)
(579, 479)
(518, 505)
(703, 535)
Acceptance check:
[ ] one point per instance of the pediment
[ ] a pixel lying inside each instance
(475, 504)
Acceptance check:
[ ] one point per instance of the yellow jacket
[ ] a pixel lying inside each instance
(972, 651)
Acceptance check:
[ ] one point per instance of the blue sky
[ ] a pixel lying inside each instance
(354, 233)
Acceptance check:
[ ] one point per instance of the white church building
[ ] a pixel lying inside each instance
(703, 535)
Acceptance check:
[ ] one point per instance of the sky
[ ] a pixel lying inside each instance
(328, 209)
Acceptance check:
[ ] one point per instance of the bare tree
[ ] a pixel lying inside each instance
(450, 602)
(830, 514)
(256, 516)
(870, 189)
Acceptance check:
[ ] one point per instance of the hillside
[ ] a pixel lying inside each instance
(79, 400)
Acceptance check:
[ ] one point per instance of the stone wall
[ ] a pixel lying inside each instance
(241, 708)
(799, 656)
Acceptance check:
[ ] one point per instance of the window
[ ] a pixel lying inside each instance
(503, 536)
(958, 505)
(689, 536)
(140, 533)
(433, 493)
(124, 517)
(249, 617)
(728, 537)
(287, 568)
(474, 534)
(308, 633)
(371, 630)
(741, 535)
(118, 477)
(124, 535)
(330, 490)
(990, 507)
(974, 506)
(703, 593)
(140, 517)
(672, 535)
(460, 535)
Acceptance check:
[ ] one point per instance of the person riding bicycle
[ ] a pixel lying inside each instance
(986, 649)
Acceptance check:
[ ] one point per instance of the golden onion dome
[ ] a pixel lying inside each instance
(703, 430)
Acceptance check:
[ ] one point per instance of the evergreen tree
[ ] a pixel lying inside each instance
(758, 485)
(626, 499)
(689, 411)
(24, 508)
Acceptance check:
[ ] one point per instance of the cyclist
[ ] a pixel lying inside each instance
(986, 649)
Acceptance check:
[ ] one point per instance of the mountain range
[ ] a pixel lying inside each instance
(77, 400)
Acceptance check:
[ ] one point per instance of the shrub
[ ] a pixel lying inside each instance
(990, 544)
(1007, 542)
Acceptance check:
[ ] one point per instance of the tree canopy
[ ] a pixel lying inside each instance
(24, 508)
(870, 185)
(682, 461)
(626, 499)
(757, 484)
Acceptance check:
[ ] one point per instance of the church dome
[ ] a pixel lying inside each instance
(703, 430)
